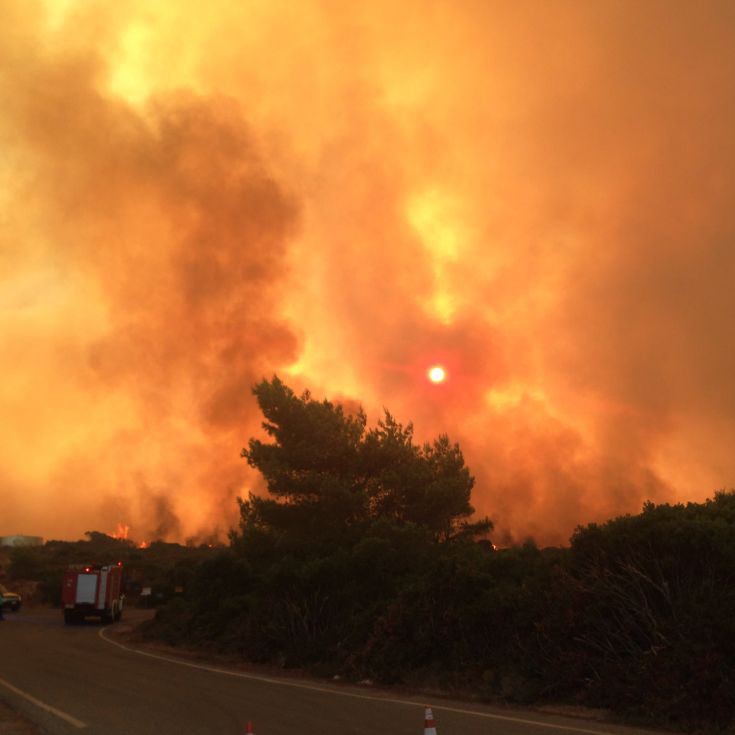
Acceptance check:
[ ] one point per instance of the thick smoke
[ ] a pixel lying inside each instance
(147, 249)
(537, 196)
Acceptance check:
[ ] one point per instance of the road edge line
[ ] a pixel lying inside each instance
(49, 708)
(354, 695)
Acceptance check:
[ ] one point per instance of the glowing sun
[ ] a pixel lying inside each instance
(437, 374)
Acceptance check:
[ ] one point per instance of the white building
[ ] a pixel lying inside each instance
(21, 541)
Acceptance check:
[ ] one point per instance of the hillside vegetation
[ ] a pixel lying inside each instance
(363, 561)
(37, 571)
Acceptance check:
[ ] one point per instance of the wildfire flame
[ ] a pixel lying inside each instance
(121, 532)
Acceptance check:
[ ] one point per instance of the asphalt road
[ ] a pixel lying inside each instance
(78, 680)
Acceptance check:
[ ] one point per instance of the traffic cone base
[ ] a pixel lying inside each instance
(429, 726)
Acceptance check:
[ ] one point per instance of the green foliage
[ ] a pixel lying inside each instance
(637, 616)
(362, 560)
(330, 477)
(162, 566)
(654, 627)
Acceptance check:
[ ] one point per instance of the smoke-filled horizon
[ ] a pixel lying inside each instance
(535, 196)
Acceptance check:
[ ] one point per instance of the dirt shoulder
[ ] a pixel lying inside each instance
(126, 633)
(13, 723)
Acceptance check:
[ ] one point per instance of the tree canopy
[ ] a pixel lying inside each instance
(330, 477)
(360, 562)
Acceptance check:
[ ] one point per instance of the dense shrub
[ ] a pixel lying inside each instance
(637, 615)
(362, 560)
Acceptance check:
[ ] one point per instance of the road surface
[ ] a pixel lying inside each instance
(78, 679)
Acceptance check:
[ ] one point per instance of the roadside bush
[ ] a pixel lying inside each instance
(636, 616)
(653, 634)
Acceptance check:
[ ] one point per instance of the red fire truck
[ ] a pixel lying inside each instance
(92, 589)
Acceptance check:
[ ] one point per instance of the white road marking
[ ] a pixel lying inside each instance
(57, 712)
(354, 695)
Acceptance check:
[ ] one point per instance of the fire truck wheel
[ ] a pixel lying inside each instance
(71, 617)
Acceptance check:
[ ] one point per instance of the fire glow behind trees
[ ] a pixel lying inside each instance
(536, 197)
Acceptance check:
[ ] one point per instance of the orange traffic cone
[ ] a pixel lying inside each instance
(429, 727)
(249, 728)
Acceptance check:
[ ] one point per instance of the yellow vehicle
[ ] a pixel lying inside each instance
(10, 600)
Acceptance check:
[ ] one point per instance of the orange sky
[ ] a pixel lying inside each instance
(536, 195)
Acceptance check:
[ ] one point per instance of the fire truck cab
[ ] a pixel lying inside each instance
(92, 590)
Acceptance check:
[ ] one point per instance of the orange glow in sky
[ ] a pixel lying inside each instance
(535, 197)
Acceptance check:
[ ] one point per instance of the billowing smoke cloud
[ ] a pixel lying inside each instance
(536, 196)
(145, 251)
